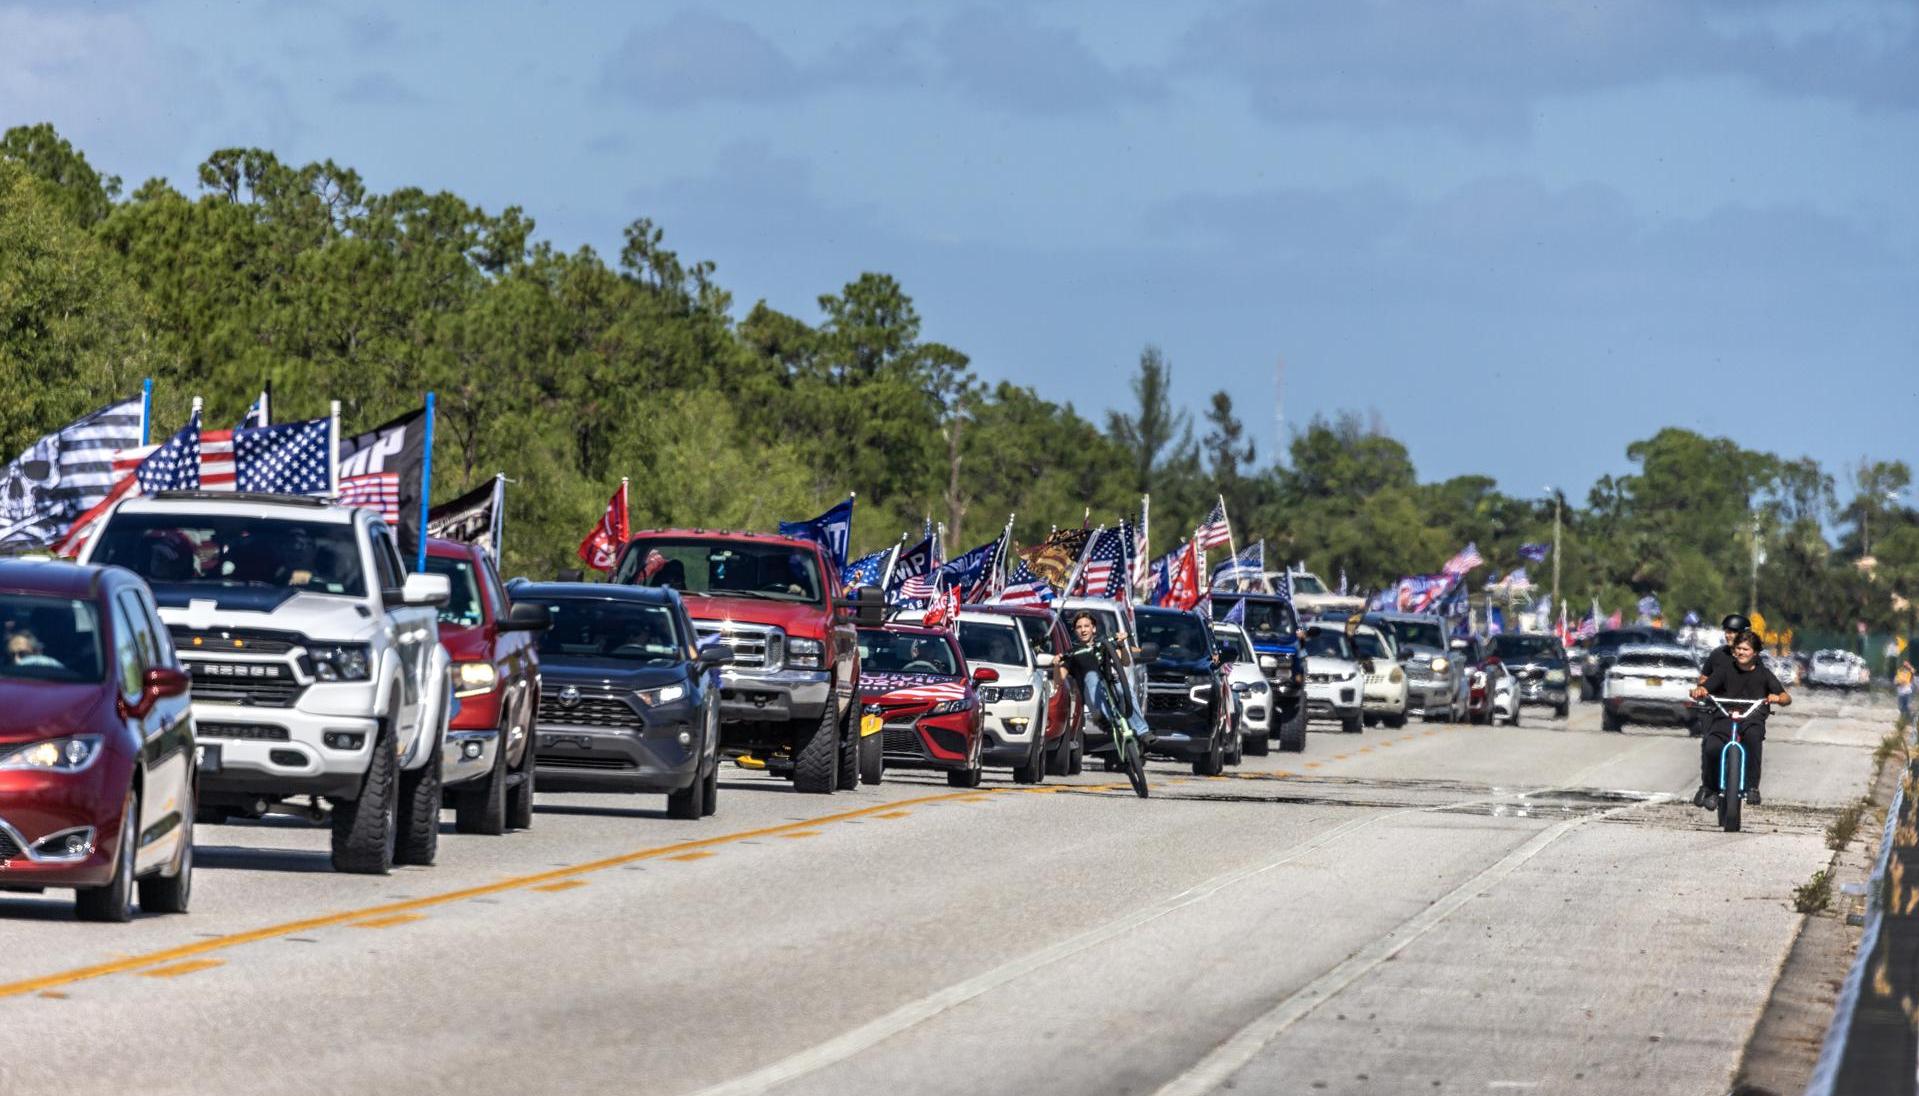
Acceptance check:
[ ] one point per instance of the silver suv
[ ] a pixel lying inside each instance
(315, 657)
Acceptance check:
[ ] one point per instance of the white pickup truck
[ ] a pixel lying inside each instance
(1648, 683)
(315, 657)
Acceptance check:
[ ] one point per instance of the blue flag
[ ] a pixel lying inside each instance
(1534, 553)
(971, 571)
(865, 571)
(832, 530)
(1237, 614)
(1247, 566)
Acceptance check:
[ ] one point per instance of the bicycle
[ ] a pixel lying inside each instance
(1132, 755)
(1732, 780)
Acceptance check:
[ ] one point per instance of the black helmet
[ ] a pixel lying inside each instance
(1736, 623)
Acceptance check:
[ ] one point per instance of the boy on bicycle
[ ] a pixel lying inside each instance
(1094, 663)
(1744, 678)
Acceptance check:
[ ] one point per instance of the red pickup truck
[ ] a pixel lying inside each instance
(789, 699)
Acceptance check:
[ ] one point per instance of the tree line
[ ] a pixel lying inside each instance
(567, 370)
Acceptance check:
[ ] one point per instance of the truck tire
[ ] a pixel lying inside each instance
(170, 893)
(1259, 746)
(113, 902)
(481, 807)
(420, 798)
(849, 763)
(689, 803)
(519, 798)
(872, 759)
(1212, 762)
(816, 758)
(1076, 761)
(1292, 731)
(365, 828)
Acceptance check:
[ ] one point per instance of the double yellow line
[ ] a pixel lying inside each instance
(221, 943)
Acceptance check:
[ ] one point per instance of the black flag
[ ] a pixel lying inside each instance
(381, 471)
(474, 518)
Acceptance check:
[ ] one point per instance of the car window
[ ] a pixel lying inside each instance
(882, 651)
(1177, 635)
(50, 639)
(234, 550)
(981, 641)
(1304, 583)
(386, 559)
(1370, 644)
(1415, 633)
(1229, 646)
(1039, 633)
(605, 629)
(463, 606)
(143, 633)
(126, 653)
(491, 586)
(1266, 621)
(730, 568)
(1525, 646)
(1328, 644)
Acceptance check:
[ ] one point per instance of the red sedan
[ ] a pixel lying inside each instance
(97, 751)
(918, 706)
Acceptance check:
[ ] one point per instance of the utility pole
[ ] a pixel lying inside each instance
(1752, 582)
(1557, 500)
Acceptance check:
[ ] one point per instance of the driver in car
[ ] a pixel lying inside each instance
(23, 649)
(295, 558)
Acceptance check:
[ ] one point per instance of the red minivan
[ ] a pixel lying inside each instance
(488, 756)
(97, 751)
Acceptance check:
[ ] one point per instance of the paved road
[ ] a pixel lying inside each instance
(1435, 909)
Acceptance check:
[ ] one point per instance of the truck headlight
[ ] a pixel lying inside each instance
(474, 678)
(1268, 662)
(806, 654)
(665, 694)
(62, 755)
(1439, 665)
(340, 661)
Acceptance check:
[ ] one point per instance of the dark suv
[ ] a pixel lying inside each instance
(1187, 705)
(1603, 651)
(1538, 663)
(1273, 626)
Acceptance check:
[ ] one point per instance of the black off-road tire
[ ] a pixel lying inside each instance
(1076, 763)
(1564, 709)
(1292, 732)
(1060, 757)
(365, 829)
(113, 903)
(849, 760)
(420, 799)
(873, 758)
(712, 804)
(172, 892)
(1212, 762)
(816, 758)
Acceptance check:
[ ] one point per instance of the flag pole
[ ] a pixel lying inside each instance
(1146, 537)
(146, 412)
(1079, 564)
(1238, 585)
(426, 482)
(266, 404)
(333, 451)
(498, 532)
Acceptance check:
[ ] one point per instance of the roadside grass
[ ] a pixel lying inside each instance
(1893, 744)
(1844, 825)
(1816, 895)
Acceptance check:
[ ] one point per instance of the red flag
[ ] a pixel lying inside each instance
(602, 546)
(1184, 591)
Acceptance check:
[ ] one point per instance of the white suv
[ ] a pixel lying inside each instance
(315, 657)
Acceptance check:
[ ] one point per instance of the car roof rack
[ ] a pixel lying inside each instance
(202, 495)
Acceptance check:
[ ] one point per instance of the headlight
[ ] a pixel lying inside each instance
(1396, 676)
(807, 654)
(474, 678)
(1439, 665)
(993, 694)
(1555, 677)
(340, 662)
(1347, 676)
(950, 706)
(1268, 662)
(1258, 688)
(665, 694)
(62, 755)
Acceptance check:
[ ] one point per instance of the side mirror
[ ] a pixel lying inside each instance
(1044, 660)
(526, 617)
(718, 654)
(423, 589)
(984, 675)
(1148, 652)
(870, 610)
(161, 681)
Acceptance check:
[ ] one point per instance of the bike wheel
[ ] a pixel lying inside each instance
(1136, 766)
(1731, 785)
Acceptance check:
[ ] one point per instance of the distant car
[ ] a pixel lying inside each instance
(1435, 674)
(1649, 683)
(1386, 694)
(1506, 699)
(487, 760)
(1252, 695)
(1065, 744)
(1540, 670)
(97, 749)
(629, 700)
(915, 687)
(1604, 647)
(1018, 700)
(1312, 597)
(1832, 669)
(1783, 667)
(1334, 689)
(1273, 625)
(1188, 705)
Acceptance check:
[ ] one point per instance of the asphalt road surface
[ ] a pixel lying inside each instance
(1434, 909)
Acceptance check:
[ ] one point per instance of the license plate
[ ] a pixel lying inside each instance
(1655, 682)
(871, 724)
(206, 756)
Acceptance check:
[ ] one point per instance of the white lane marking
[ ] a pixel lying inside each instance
(868, 1035)
(1230, 1057)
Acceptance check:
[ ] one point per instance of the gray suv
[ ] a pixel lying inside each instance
(1436, 677)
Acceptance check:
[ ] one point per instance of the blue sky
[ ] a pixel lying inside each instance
(1520, 232)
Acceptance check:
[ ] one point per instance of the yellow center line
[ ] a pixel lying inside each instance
(291, 928)
(389, 921)
(800, 834)
(177, 969)
(693, 856)
(562, 885)
(895, 814)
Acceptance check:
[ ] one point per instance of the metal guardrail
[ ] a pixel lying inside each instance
(1872, 1045)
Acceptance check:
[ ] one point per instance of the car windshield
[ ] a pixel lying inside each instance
(1265, 621)
(1309, 585)
(1039, 633)
(463, 608)
(984, 641)
(49, 639)
(884, 652)
(1226, 640)
(1524, 647)
(1632, 635)
(1416, 633)
(1370, 644)
(1324, 643)
(1107, 619)
(233, 550)
(1671, 660)
(610, 630)
(1177, 635)
(727, 568)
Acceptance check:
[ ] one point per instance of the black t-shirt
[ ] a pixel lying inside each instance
(1083, 659)
(1720, 656)
(1732, 683)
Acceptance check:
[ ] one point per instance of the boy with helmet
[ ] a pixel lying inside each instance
(1721, 656)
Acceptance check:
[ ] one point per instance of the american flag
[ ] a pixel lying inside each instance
(256, 416)
(374, 491)
(1284, 587)
(1023, 587)
(1103, 574)
(1215, 531)
(866, 570)
(1467, 559)
(290, 459)
(63, 475)
(175, 465)
(1142, 563)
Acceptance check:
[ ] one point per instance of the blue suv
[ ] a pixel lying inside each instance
(1272, 625)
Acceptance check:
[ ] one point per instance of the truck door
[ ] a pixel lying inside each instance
(413, 629)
